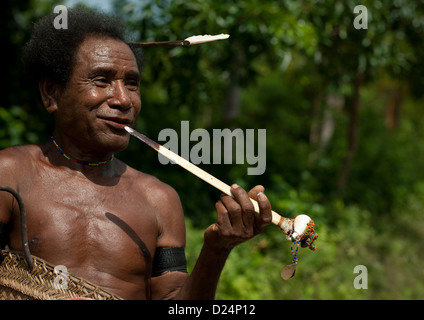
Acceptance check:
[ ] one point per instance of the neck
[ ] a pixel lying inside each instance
(77, 157)
(83, 162)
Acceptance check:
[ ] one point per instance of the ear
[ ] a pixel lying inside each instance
(49, 92)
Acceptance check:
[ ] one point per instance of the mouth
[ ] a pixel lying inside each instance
(119, 123)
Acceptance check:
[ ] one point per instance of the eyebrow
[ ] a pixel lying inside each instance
(112, 72)
(133, 74)
(101, 71)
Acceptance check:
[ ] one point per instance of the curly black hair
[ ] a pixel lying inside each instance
(50, 52)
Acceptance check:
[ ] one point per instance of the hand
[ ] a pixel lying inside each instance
(237, 221)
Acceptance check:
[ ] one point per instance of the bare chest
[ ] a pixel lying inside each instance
(90, 228)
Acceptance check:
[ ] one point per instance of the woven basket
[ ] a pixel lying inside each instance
(19, 282)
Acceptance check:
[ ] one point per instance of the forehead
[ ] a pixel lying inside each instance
(96, 52)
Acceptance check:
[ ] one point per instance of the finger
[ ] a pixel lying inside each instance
(243, 199)
(234, 211)
(264, 217)
(254, 192)
(248, 210)
(223, 220)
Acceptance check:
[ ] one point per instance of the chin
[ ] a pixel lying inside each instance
(117, 143)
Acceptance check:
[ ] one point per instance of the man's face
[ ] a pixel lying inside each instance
(102, 93)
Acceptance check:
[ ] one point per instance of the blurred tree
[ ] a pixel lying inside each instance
(260, 33)
(347, 57)
(13, 36)
(203, 84)
(22, 120)
(344, 60)
(324, 62)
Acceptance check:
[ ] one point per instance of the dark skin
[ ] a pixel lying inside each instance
(78, 216)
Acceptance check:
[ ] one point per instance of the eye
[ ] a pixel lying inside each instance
(132, 85)
(101, 81)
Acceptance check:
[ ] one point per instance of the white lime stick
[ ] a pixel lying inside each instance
(285, 224)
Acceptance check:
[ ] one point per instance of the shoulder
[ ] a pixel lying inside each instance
(9, 156)
(18, 153)
(13, 169)
(155, 190)
(14, 161)
(167, 205)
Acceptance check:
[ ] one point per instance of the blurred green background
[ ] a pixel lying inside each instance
(343, 110)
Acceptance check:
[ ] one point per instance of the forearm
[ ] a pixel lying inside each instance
(203, 280)
(236, 223)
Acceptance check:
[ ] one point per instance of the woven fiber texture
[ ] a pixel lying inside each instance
(19, 282)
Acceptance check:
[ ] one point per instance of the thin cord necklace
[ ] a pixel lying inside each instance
(87, 163)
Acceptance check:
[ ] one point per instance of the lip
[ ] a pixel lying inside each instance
(118, 123)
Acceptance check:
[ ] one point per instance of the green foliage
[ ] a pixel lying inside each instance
(389, 248)
(13, 129)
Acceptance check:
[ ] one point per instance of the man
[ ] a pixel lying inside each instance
(106, 222)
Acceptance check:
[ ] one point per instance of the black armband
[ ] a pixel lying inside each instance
(4, 234)
(169, 259)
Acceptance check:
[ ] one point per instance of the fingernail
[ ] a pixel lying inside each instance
(234, 186)
(260, 196)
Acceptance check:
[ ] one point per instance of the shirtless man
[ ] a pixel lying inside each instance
(105, 221)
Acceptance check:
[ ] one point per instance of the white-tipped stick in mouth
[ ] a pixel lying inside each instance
(128, 129)
(285, 224)
(293, 228)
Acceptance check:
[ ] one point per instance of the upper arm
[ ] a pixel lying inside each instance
(170, 216)
(172, 234)
(8, 180)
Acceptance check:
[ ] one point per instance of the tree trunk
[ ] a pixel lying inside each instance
(232, 102)
(323, 124)
(392, 107)
(352, 134)
(314, 134)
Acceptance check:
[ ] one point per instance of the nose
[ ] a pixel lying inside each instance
(120, 96)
